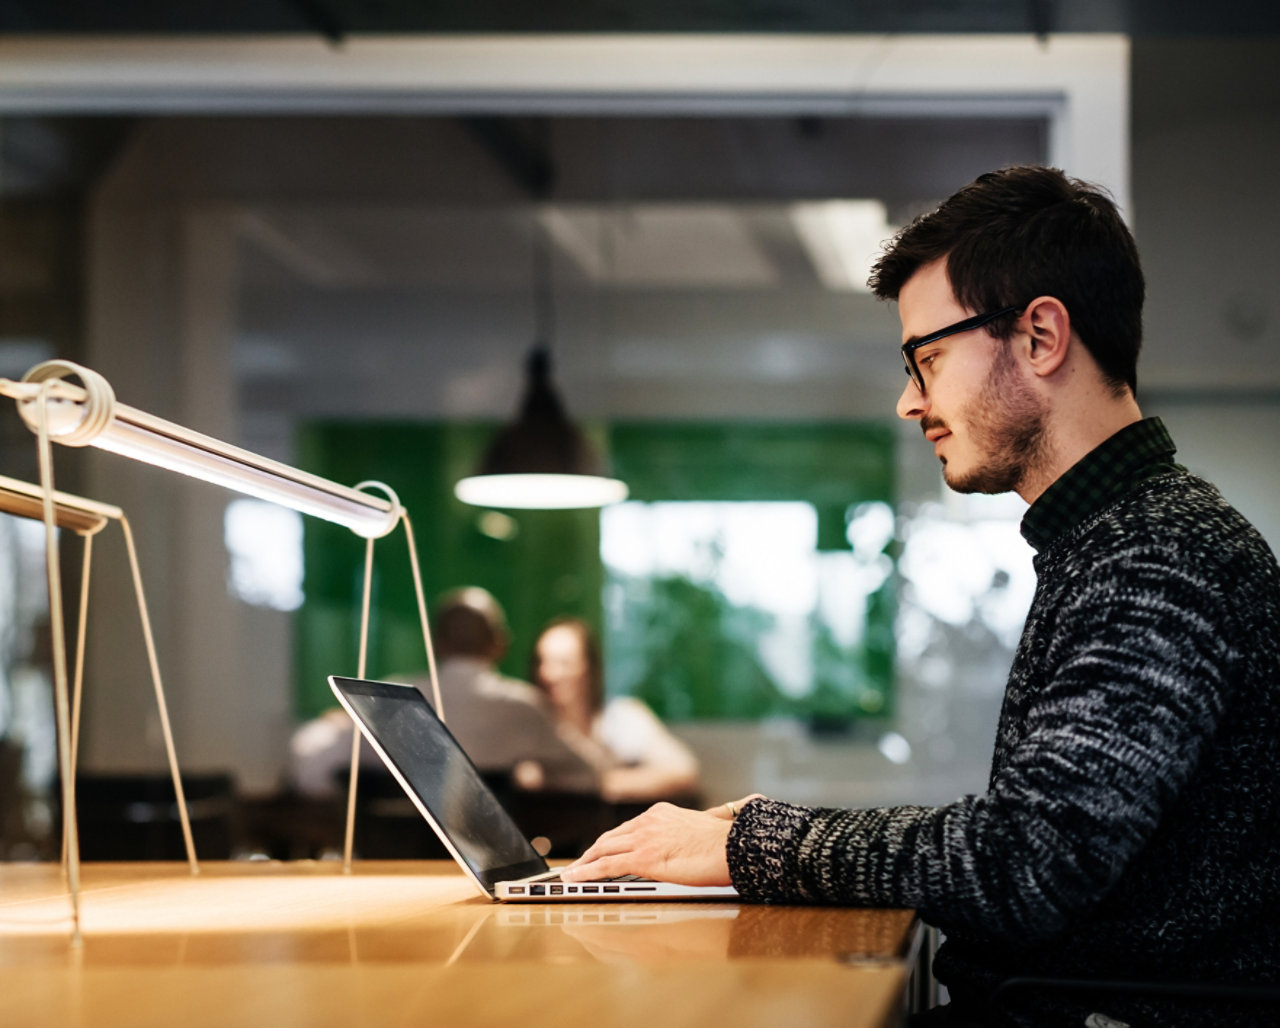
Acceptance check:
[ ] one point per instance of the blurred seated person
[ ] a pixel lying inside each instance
(320, 750)
(505, 725)
(644, 761)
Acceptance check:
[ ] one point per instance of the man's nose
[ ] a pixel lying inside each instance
(912, 404)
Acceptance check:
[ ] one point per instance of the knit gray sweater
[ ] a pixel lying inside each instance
(1131, 825)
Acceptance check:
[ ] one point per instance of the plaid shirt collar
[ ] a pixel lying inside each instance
(1130, 457)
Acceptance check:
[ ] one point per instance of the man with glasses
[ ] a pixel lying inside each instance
(1131, 826)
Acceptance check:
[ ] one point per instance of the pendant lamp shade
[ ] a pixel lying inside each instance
(541, 460)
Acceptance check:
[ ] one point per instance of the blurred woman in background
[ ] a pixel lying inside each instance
(644, 760)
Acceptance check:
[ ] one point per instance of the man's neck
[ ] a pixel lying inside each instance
(1073, 434)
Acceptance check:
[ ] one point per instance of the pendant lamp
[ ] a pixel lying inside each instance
(541, 461)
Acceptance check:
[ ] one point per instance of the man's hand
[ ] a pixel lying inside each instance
(670, 843)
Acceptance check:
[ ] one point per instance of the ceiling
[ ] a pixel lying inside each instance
(338, 19)
(681, 251)
(373, 243)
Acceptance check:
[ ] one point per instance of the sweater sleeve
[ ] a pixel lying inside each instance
(1103, 746)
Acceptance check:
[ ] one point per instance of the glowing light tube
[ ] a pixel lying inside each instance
(90, 416)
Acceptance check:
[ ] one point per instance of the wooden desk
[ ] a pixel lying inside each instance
(412, 943)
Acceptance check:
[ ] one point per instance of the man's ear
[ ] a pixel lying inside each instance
(1047, 324)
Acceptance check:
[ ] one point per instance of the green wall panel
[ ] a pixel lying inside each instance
(684, 648)
(550, 566)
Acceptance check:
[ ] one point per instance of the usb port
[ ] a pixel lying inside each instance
(517, 890)
(557, 890)
(611, 888)
(591, 888)
(537, 890)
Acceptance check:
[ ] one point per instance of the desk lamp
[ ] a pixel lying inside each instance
(87, 518)
(541, 460)
(88, 415)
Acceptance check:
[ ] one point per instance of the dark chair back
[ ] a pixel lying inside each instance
(135, 816)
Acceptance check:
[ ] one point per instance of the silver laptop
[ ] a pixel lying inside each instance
(444, 785)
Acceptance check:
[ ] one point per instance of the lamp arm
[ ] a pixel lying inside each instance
(89, 415)
(71, 512)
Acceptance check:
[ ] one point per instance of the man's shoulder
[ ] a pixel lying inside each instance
(480, 678)
(495, 686)
(1181, 523)
(1178, 510)
(473, 688)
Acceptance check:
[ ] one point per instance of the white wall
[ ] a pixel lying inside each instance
(1205, 148)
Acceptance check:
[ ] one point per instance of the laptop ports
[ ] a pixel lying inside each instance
(517, 890)
(591, 888)
(611, 888)
(537, 890)
(557, 890)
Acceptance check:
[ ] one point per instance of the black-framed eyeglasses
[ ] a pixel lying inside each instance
(977, 321)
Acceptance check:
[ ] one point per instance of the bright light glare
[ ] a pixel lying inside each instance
(540, 492)
(757, 555)
(960, 573)
(264, 541)
(243, 900)
(894, 748)
(870, 528)
(842, 239)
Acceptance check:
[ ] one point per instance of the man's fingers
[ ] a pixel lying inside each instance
(613, 841)
(604, 849)
(624, 850)
(584, 870)
(666, 842)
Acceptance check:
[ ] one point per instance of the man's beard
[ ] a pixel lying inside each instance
(1006, 429)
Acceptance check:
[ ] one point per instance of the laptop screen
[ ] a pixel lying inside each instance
(437, 773)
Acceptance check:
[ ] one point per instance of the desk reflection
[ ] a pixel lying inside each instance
(305, 946)
(392, 913)
(656, 933)
(638, 932)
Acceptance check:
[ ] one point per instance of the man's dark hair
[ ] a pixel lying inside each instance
(469, 622)
(1027, 231)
